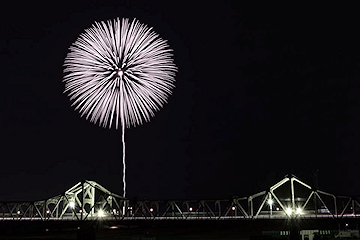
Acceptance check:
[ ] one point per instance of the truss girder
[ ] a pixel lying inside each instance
(88, 200)
(298, 204)
(78, 203)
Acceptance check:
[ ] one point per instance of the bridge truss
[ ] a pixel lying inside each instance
(88, 200)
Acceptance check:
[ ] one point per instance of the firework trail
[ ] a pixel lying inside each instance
(119, 71)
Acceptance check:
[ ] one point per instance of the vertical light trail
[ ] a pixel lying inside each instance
(121, 101)
(123, 159)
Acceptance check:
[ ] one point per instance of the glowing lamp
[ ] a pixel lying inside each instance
(288, 211)
(299, 211)
(101, 213)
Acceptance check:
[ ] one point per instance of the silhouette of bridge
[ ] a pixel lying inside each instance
(88, 200)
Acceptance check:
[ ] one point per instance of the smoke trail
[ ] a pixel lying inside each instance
(122, 133)
(123, 158)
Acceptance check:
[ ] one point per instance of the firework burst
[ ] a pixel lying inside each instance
(119, 72)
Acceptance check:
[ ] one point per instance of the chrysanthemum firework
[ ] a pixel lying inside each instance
(119, 72)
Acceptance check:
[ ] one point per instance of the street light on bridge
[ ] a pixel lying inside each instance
(299, 211)
(293, 212)
(101, 213)
(288, 211)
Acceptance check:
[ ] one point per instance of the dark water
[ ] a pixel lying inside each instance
(161, 230)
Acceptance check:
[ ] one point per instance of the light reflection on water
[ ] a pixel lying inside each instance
(219, 238)
(178, 238)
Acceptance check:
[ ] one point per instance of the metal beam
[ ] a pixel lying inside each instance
(89, 192)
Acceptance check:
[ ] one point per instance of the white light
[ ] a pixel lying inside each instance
(80, 211)
(288, 211)
(277, 209)
(18, 212)
(151, 209)
(233, 208)
(190, 209)
(270, 201)
(47, 211)
(299, 211)
(72, 204)
(101, 213)
(120, 73)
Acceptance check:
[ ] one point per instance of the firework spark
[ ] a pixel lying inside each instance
(119, 71)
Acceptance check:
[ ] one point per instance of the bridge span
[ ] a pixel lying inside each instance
(290, 198)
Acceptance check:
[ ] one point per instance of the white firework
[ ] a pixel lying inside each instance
(119, 71)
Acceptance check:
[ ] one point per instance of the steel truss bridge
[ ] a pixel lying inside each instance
(88, 200)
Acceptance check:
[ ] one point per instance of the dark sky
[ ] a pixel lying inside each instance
(260, 92)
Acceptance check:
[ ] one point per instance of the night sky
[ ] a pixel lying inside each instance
(260, 92)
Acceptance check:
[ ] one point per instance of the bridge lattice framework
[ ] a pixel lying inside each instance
(88, 200)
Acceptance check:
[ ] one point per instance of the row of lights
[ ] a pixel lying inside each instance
(289, 211)
(190, 209)
(100, 213)
(19, 212)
